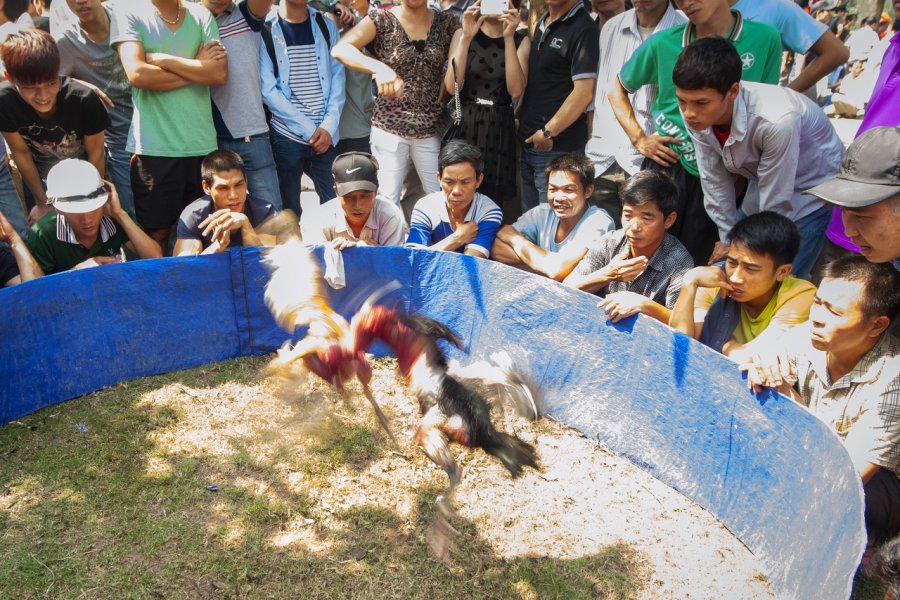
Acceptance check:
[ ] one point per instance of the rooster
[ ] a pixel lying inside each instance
(297, 297)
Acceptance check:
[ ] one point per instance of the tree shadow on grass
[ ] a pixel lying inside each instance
(105, 510)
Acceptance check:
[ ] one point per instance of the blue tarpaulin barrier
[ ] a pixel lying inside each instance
(777, 478)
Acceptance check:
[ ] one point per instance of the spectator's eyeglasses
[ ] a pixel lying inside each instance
(103, 189)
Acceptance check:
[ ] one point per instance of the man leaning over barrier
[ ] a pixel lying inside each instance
(845, 367)
(748, 306)
(552, 237)
(88, 227)
(640, 267)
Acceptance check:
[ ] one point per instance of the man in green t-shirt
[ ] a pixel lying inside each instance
(171, 55)
(88, 227)
(671, 149)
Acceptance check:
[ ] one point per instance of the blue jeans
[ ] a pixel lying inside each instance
(259, 163)
(118, 170)
(812, 238)
(534, 178)
(10, 203)
(292, 159)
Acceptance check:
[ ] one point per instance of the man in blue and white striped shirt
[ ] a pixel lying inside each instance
(303, 86)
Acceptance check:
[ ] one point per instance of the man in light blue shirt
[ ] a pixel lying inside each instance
(303, 86)
(551, 238)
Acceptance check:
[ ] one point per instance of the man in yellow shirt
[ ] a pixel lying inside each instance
(740, 310)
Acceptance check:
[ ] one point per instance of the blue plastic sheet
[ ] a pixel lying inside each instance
(773, 474)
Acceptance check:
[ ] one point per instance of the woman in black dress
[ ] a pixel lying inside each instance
(491, 69)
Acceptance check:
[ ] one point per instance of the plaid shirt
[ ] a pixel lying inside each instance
(660, 281)
(863, 406)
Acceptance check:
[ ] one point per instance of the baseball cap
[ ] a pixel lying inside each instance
(870, 171)
(75, 186)
(354, 171)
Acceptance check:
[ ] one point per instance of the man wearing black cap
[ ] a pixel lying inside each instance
(868, 191)
(355, 216)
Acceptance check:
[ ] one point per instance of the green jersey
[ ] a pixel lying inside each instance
(56, 249)
(652, 64)
(178, 122)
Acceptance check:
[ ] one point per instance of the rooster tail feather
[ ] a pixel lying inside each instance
(431, 328)
(513, 453)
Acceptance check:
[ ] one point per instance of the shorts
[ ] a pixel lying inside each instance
(163, 186)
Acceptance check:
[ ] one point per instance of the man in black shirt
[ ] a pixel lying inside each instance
(45, 118)
(562, 70)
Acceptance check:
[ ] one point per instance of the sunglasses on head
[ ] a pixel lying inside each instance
(103, 189)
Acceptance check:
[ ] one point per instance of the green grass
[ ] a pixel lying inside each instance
(114, 512)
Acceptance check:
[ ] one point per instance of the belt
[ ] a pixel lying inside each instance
(247, 138)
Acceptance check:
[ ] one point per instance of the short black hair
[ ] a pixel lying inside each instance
(13, 9)
(710, 62)
(650, 186)
(895, 26)
(880, 283)
(458, 151)
(870, 21)
(218, 161)
(768, 233)
(577, 164)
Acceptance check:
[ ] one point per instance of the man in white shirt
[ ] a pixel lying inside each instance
(863, 40)
(611, 151)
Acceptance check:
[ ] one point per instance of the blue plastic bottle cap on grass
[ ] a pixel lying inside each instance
(213, 488)
(82, 428)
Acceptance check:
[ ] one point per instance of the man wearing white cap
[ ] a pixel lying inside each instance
(868, 191)
(88, 227)
(356, 216)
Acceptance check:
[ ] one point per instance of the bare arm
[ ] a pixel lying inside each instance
(96, 154)
(573, 107)
(259, 8)
(209, 67)
(30, 176)
(349, 52)
(515, 73)
(555, 265)
(830, 52)
(459, 47)
(142, 74)
(187, 248)
(28, 267)
(138, 242)
(652, 146)
(683, 314)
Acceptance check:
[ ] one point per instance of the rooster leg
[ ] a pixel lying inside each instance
(440, 532)
(435, 445)
(378, 412)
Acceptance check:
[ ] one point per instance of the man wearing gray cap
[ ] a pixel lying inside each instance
(868, 191)
(355, 216)
(88, 227)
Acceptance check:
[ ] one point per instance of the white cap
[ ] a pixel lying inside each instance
(75, 186)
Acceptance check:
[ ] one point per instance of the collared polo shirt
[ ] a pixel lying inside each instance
(430, 222)
(237, 105)
(660, 281)
(618, 41)
(758, 44)
(258, 211)
(384, 227)
(863, 406)
(561, 53)
(539, 226)
(53, 244)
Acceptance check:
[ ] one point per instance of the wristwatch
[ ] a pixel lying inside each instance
(547, 133)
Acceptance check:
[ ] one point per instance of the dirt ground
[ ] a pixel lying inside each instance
(584, 499)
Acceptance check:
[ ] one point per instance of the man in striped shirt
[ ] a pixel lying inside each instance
(303, 86)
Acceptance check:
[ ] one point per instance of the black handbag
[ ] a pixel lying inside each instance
(451, 122)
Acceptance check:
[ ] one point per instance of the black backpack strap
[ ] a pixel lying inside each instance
(266, 34)
(320, 21)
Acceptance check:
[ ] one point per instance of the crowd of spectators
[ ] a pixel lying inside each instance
(669, 157)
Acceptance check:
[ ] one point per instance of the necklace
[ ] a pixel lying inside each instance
(168, 22)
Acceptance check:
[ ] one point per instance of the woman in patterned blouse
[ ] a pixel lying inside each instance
(410, 43)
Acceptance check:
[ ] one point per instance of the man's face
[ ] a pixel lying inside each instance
(357, 206)
(86, 11)
(565, 194)
(459, 183)
(648, 6)
(856, 68)
(40, 96)
(751, 274)
(216, 7)
(699, 11)
(228, 190)
(645, 226)
(874, 229)
(706, 107)
(84, 224)
(836, 317)
(608, 6)
(823, 16)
